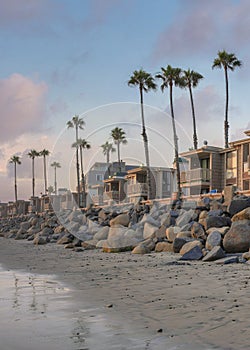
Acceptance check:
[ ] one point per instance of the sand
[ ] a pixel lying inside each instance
(152, 301)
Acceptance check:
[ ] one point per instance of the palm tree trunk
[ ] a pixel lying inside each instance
(226, 124)
(119, 157)
(45, 175)
(175, 145)
(145, 141)
(55, 184)
(195, 139)
(33, 177)
(77, 171)
(83, 179)
(15, 184)
(108, 158)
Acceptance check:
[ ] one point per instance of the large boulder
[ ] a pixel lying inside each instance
(237, 239)
(185, 217)
(238, 205)
(122, 219)
(214, 239)
(144, 247)
(242, 215)
(171, 233)
(190, 245)
(178, 243)
(149, 230)
(164, 247)
(216, 221)
(214, 254)
(102, 233)
(121, 237)
(197, 231)
(193, 254)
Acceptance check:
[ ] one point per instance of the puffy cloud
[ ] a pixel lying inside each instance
(22, 106)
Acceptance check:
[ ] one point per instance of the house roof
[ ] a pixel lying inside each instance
(205, 150)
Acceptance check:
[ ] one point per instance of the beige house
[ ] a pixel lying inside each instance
(210, 169)
(162, 182)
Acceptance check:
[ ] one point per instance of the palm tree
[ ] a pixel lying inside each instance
(15, 160)
(55, 165)
(145, 82)
(119, 137)
(44, 153)
(227, 61)
(82, 144)
(107, 147)
(172, 77)
(77, 123)
(190, 79)
(33, 154)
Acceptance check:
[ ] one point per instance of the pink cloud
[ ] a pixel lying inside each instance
(22, 106)
(201, 27)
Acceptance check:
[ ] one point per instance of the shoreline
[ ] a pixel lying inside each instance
(153, 297)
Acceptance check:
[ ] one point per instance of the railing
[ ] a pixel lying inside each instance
(115, 195)
(196, 175)
(138, 188)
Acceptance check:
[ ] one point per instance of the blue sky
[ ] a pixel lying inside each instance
(63, 57)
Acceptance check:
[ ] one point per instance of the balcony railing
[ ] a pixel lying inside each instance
(196, 175)
(138, 188)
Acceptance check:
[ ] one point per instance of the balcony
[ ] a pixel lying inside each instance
(138, 189)
(197, 176)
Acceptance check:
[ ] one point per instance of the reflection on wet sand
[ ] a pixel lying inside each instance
(35, 310)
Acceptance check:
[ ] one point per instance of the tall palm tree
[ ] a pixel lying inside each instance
(107, 148)
(172, 77)
(119, 137)
(44, 153)
(55, 165)
(77, 123)
(190, 79)
(15, 160)
(33, 154)
(227, 61)
(145, 82)
(82, 144)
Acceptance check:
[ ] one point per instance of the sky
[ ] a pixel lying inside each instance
(61, 58)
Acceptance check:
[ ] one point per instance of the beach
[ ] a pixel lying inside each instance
(151, 301)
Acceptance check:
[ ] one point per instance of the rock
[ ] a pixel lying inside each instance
(69, 246)
(122, 237)
(122, 219)
(238, 205)
(25, 225)
(149, 230)
(184, 234)
(190, 245)
(90, 244)
(144, 247)
(228, 260)
(160, 233)
(164, 247)
(194, 254)
(216, 221)
(38, 240)
(178, 243)
(59, 229)
(93, 227)
(215, 212)
(185, 218)
(171, 233)
(246, 255)
(203, 214)
(214, 254)
(102, 233)
(222, 230)
(197, 231)
(242, 215)
(214, 239)
(237, 239)
(65, 240)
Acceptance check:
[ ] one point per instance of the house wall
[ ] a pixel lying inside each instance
(217, 166)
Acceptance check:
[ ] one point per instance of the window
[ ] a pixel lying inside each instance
(99, 177)
(231, 165)
(245, 152)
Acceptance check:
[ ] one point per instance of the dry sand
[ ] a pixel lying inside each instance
(146, 302)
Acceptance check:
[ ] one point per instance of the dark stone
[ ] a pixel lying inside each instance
(215, 254)
(216, 221)
(178, 243)
(193, 254)
(237, 205)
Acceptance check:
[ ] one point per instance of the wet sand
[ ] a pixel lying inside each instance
(125, 301)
